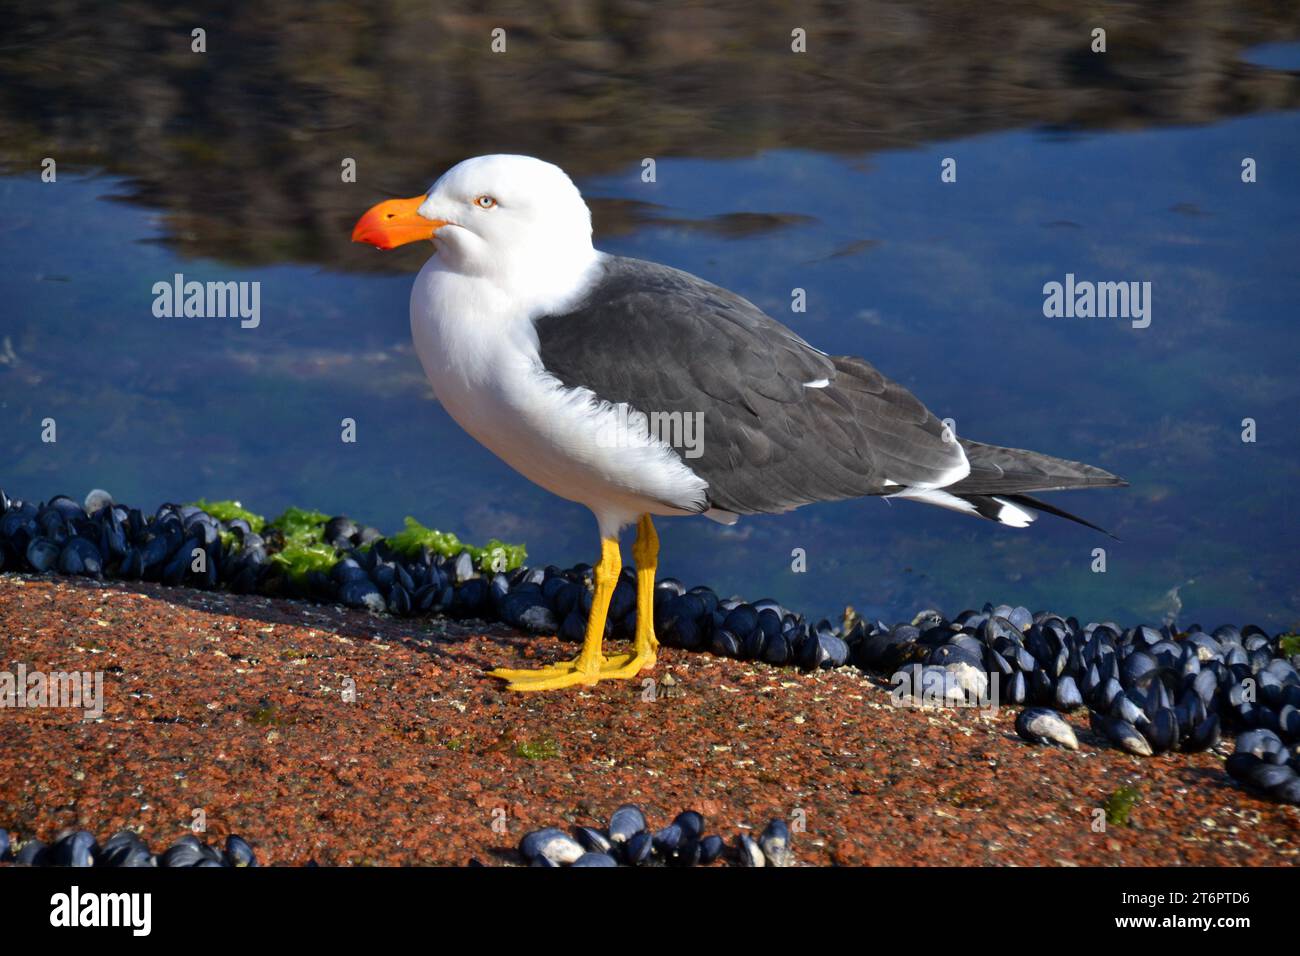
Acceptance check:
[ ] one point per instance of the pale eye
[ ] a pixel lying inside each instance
(485, 202)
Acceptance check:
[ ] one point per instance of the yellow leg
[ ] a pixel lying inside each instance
(646, 553)
(590, 665)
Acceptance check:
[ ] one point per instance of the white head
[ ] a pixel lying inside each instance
(515, 220)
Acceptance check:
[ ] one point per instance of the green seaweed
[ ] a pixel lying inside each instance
(1120, 804)
(545, 749)
(409, 540)
(304, 547)
(494, 556)
(268, 715)
(1289, 644)
(296, 542)
(229, 511)
(301, 526)
(513, 555)
(298, 560)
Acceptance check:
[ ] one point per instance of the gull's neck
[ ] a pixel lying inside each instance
(554, 283)
(470, 329)
(547, 281)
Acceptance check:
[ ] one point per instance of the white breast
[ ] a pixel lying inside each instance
(480, 354)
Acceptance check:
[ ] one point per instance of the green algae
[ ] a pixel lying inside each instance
(229, 511)
(545, 749)
(494, 556)
(268, 715)
(299, 560)
(1120, 804)
(296, 545)
(301, 525)
(304, 549)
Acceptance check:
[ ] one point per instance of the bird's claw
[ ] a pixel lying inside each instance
(576, 671)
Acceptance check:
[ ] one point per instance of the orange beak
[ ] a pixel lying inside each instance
(394, 223)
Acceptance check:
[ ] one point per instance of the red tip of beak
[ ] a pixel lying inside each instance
(395, 222)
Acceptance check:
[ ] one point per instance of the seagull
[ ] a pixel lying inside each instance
(638, 390)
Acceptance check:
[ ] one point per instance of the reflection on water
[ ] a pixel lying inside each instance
(774, 171)
(1274, 56)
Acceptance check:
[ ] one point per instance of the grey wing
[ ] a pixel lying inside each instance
(783, 423)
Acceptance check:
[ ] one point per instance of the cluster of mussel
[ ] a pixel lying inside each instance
(124, 849)
(1263, 761)
(1148, 690)
(184, 545)
(628, 841)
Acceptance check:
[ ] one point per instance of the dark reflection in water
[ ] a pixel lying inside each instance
(241, 145)
(775, 171)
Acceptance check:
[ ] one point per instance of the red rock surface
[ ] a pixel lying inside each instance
(234, 705)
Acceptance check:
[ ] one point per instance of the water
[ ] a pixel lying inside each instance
(939, 285)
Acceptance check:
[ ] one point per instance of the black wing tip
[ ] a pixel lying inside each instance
(1039, 505)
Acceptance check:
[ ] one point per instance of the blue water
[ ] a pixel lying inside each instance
(939, 285)
(1275, 56)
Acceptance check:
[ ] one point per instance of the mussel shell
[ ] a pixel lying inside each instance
(1205, 735)
(592, 840)
(686, 853)
(1017, 691)
(1288, 792)
(725, 644)
(774, 841)
(1162, 733)
(1266, 775)
(691, 823)
(1128, 710)
(625, 822)
(119, 847)
(362, 593)
(182, 855)
(1044, 726)
(668, 839)
(711, 848)
(776, 650)
(42, 553)
(748, 852)
(77, 849)
(1068, 696)
(238, 852)
(399, 601)
(1259, 742)
(552, 843)
(1125, 735)
(742, 619)
(1135, 666)
(32, 853)
(340, 531)
(638, 849)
